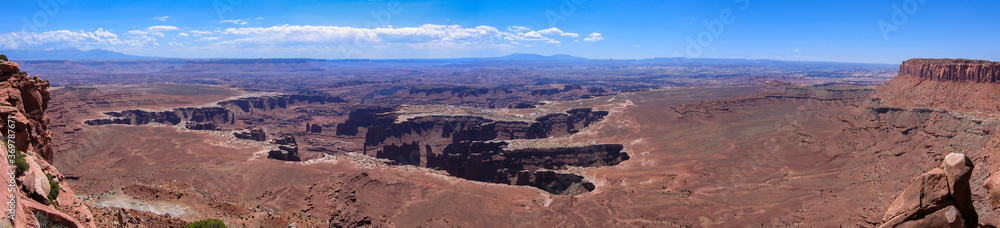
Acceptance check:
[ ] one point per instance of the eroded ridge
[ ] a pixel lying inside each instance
(982, 71)
(208, 118)
(471, 147)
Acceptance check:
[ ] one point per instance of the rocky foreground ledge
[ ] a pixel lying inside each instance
(37, 196)
(942, 197)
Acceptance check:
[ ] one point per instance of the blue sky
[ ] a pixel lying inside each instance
(879, 31)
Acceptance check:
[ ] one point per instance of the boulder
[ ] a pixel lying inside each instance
(939, 198)
(946, 217)
(35, 182)
(992, 186)
(958, 167)
(8, 66)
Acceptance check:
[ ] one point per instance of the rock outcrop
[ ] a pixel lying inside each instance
(201, 126)
(287, 150)
(251, 104)
(941, 197)
(8, 68)
(255, 134)
(215, 115)
(468, 146)
(956, 85)
(40, 194)
(965, 70)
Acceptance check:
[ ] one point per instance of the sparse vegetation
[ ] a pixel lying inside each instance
(20, 163)
(45, 221)
(3, 57)
(53, 189)
(207, 223)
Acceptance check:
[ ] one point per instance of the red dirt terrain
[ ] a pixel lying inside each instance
(776, 154)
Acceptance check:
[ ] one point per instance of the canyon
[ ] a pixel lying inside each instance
(772, 153)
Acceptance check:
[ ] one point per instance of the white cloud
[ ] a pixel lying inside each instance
(594, 37)
(236, 21)
(201, 32)
(517, 28)
(163, 18)
(425, 36)
(291, 40)
(161, 28)
(58, 39)
(153, 30)
(556, 31)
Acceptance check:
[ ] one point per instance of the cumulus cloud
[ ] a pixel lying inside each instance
(556, 31)
(517, 28)
(424, 36)
(291, 39)
(153, 30)
(64, 39)
(594, 37)
(161, 28)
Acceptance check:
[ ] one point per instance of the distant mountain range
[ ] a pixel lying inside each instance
(100, 54)
(534, 57)
(69, 54)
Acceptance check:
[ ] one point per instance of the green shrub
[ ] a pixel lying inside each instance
(207, 223)
(20, 163)
(53, 189)
(3, 57)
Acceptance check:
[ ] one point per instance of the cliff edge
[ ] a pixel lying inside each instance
(40, 196)
(956, 85)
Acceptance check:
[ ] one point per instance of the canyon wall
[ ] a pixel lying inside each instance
(226, 114)
(957, 85)
(965, 70)
(38, 193)
(467, 146)
(266, 103)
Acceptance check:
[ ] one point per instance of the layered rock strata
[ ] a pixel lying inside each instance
(979, 71)
(956, 85)
(468, 146)
(38, 194)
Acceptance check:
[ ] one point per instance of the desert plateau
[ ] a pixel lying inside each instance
(500, 114)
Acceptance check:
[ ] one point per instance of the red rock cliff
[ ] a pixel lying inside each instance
(952, 70)
(956, 85)
(40, 196)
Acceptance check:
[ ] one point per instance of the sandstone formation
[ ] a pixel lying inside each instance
(201, 126)
(287, 150)
(23, 101)
(265, 103)
(8, 68)
(939, 198)
(226, 114)
(255, 134)
(979, 71)
(462, 146)
(217, 115)
(957, 85)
